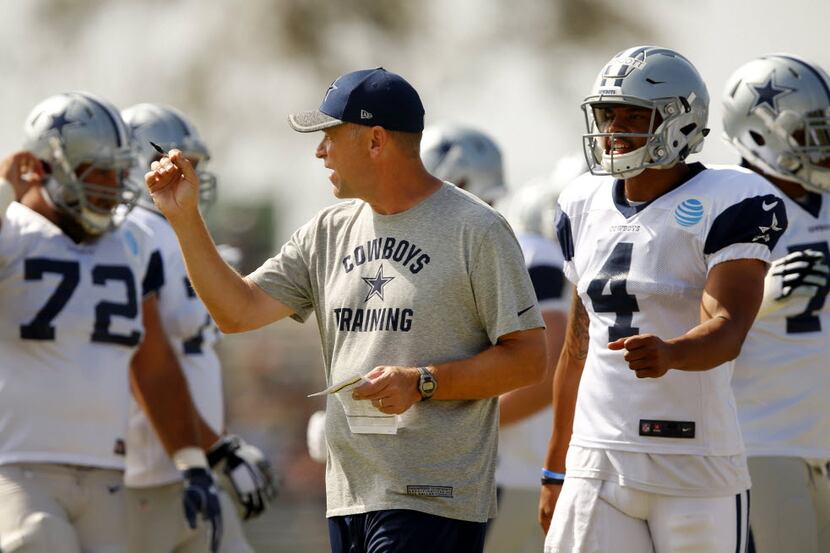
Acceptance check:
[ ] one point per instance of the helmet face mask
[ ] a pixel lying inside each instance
(465, 157)
(777, 115)
(655, 79)
(85, 146)
(169, 128)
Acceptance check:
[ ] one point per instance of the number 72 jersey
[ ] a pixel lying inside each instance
(641, 269)
(70, 322)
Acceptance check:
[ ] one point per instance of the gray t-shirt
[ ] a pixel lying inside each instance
(441, 281)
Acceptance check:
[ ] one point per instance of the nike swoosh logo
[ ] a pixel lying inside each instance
(767, 207)
(525, 310)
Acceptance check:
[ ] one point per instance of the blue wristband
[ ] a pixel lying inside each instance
(551, 474)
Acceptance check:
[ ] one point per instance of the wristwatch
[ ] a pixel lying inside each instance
(426, 383)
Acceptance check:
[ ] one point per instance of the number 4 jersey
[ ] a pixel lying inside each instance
(641, 269)
(71, 320)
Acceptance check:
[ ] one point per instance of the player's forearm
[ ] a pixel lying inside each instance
(160, 388)
(517, 360)
(565, 388)
(728, 308)
(162, 392)
(522, 403)
(223, 291)
(566, 380)
(708, 345)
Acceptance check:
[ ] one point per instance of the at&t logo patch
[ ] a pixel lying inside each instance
(689, 212)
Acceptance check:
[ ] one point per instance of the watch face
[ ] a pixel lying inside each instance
(428, 386)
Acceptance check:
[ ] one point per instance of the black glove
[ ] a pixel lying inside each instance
(800, 269)
(202, 498)
(248, 474)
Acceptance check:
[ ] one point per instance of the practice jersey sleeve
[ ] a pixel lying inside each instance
(565, 240)
(749, 228)
(286, 277)
(154, 276)
(505, 298)
(544, 265)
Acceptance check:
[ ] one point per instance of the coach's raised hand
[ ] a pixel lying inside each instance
(174, 186)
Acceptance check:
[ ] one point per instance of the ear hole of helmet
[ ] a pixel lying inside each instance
(757, 138)
(687, 130)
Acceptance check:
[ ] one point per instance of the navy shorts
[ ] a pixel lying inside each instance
(404, 531)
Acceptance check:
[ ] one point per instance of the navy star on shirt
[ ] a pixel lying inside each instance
(376, 284)
(767, 93)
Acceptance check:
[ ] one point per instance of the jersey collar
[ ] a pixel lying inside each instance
(811, 204)
(628, 210)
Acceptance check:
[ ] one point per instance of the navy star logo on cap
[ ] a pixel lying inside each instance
(767, 93)
(332, 86)
(60, 120)
(376, 284)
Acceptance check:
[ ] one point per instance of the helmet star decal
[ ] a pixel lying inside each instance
(767, 93)
(376, 284)
(60, 120)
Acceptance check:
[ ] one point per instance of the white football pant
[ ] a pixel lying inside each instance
(790, 505)
(595, 516)
(52, 508)
(157, 523)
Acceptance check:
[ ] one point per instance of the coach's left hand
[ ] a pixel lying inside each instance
(647, 355)
(392, 390)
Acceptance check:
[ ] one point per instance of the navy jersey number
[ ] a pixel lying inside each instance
(193, 345)
(613, 274)
(105, 310)
(808, 321)
(41, 328)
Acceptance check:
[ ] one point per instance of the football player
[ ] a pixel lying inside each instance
(472, 160)
(80, 323)
(777, 115)
(668, 259)
(467, 158)
(153, 483)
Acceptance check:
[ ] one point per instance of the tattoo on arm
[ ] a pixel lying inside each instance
(576, 339)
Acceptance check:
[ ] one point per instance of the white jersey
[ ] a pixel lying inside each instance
(193, 335)
(781, 379)
(523, 445)
(641, 269)
(71, 322)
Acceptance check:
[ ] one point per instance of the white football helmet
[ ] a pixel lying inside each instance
(658, 79)
(73, 131)
(530, 207)
(465, 157)
(776, 113)
(169, 128)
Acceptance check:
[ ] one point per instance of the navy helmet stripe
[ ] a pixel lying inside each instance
(623, 68)
(812, 70)
(118, 129)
